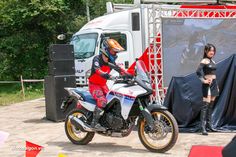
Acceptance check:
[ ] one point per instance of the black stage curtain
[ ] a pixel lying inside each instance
(184, 99)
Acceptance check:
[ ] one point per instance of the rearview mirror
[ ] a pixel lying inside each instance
(61, 37)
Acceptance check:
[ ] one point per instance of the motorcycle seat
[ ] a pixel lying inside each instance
(85, 95)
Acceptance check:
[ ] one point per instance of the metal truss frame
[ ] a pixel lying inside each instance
(155, 15)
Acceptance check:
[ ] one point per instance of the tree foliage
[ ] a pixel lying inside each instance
(28, 27)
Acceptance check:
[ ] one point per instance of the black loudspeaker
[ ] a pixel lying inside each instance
(230, 149)
(55, 94)
(61, 67)
(61, 60)
(61, 52)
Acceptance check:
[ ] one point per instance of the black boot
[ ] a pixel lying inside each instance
(203, 118)
(209, 119)
(97, 113)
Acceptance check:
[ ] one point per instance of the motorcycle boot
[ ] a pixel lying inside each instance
(203, 118)
(209, 119)
(97, 113)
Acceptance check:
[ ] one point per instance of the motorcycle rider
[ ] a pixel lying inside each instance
(196, 44)
(101, 67)
(192, 40)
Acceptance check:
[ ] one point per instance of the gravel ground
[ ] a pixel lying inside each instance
(25, 122)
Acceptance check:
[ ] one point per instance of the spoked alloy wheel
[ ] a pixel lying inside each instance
(74, 134)
(165, 135)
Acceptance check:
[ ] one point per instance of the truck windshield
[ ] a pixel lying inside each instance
(84, 45)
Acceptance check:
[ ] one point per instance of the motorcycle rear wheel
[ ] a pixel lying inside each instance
(75, 135)
(166, 124)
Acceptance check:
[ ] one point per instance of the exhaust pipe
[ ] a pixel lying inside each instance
(80, 124)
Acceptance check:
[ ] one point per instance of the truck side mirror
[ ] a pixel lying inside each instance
(61, 37)
(126, 64)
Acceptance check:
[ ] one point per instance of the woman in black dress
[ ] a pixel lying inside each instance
(206, 73)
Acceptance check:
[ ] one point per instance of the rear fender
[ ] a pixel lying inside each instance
(88, 106)
(66, 103)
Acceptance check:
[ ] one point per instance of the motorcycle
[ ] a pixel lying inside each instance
(128, 105)
(193, 54)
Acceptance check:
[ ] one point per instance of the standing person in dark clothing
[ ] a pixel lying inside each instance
(101, 67)
(206, 73)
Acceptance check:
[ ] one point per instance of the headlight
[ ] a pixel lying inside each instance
(148, 85)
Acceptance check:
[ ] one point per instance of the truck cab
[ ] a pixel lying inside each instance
(118, 26)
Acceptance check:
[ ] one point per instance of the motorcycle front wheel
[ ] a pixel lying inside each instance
(165, 135)
(75, 135)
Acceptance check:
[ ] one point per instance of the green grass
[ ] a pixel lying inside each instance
(11, 93)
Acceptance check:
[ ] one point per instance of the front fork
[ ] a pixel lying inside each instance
(147, 115)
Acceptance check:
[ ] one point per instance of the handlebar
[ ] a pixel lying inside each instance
(114, 78)
(121, 77)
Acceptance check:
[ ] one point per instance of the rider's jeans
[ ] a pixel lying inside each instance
(99, 94)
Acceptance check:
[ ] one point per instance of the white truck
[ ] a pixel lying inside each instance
(134, 28)
(124, 26)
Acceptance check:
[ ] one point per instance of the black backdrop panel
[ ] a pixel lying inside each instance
(184, 99)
